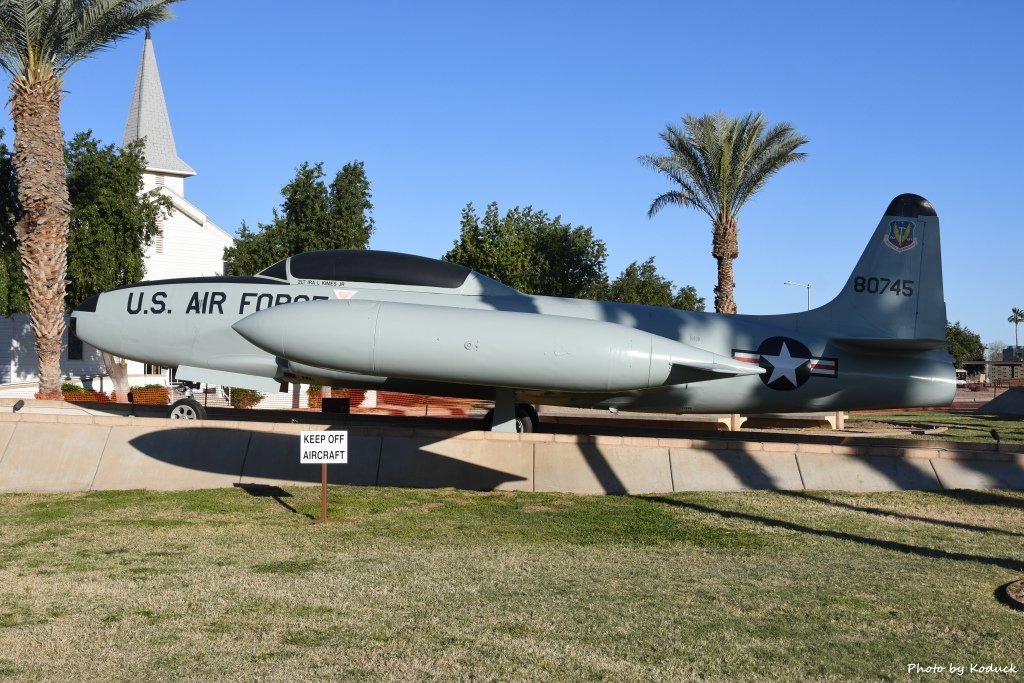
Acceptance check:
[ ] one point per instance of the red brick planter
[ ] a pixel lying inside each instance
(86, 397)
(158, 397)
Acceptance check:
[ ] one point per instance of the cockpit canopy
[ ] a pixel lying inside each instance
(381, 267)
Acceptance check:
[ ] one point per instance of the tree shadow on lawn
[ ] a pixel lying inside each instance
(976, 497)
(881, 512)
(895, 546)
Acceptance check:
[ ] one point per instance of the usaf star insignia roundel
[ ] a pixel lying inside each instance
(788, 364)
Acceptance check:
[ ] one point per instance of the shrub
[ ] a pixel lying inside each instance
(72, 388)
(314, 398)
(244, 398)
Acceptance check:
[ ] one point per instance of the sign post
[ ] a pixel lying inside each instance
(324, 447)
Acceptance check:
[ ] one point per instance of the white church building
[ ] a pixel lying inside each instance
(191, 245)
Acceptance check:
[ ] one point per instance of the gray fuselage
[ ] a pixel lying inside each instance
(188, 324)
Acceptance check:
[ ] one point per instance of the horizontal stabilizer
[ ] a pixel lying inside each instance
(684, 372)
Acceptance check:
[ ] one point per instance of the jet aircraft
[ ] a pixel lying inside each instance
(391, 321)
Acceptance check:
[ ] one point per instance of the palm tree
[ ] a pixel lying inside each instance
(39, 41)
(1016, 317)
(719, 163)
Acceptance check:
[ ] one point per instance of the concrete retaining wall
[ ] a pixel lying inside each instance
(82, 452)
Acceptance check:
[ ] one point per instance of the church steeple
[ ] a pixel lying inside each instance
(147, 118)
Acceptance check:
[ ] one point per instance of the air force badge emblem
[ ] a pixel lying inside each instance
(901, 235)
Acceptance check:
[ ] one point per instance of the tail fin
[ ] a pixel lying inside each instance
(894, 296)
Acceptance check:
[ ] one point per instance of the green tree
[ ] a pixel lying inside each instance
(351, 207)
(640, 283)
(39, 41)
(531, 252)
(12, 279)
(719, 163)
(1016, 317)
(964, 345)
(112, 223)
(112, 220)
(253, 250)
(686, 299)
(494, 247)
(304, 221)
(312, 217)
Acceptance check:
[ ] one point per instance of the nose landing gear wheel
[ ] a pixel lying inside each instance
(187, 409)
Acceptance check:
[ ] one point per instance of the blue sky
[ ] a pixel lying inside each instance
(549, 104)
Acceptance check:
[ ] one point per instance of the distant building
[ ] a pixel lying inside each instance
(998, 372)
(190, 245)
(1013, 353)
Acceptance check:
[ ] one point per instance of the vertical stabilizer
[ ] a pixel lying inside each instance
(895, 291)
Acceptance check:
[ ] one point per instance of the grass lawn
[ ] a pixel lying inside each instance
(961, 425)
(455, 585)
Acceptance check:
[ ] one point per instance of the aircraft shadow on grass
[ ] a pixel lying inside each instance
(273, 458)
(261, 460)
(269, 457)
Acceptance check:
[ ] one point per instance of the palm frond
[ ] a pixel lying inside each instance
(703, 134)
(687, 160)
(681, 175)
(13, 36)
(719, 162)
(774, 150)
(109, 21)
(673, 197)
(748, 131)
(40, 39)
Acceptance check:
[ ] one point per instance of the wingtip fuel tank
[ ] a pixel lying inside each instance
(484, 347)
